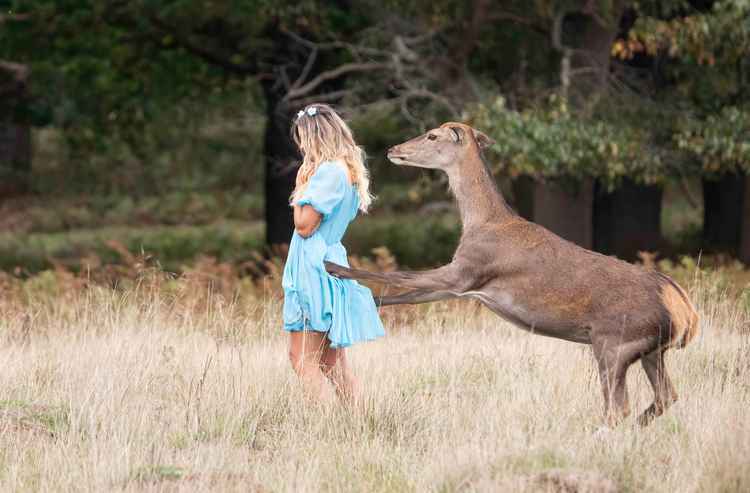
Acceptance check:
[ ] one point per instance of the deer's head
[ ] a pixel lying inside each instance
(440, 148)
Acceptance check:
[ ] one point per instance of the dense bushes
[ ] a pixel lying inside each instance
(416, 241)
(170, 246)
(90, 212)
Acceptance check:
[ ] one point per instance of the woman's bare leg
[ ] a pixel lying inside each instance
(305, 353)
(335, 365)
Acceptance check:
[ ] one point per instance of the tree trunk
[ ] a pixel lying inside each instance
(523, 196)
(280, 170)
(744, 251)
(627, 220)
(15, 134)
(281, 155)
(591, 38)
(722, 212)
(565, 211)
(15, 159)
(584, 44)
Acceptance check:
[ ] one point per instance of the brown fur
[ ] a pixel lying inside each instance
(541, 282)
(683, 316)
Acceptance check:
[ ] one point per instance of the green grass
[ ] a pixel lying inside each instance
(171, 246)
(55, 215)
(417, 241)
(154, 474)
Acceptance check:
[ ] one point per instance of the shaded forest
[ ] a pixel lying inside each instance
(162, 127)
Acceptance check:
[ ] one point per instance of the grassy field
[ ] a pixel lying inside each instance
(184, 385)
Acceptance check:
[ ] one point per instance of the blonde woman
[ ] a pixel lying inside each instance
(322, 313)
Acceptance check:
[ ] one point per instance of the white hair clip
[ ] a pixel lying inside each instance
(311, 111)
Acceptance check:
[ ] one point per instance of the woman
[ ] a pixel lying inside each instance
(322, 313)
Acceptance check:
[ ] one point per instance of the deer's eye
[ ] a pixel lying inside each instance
(431, 137)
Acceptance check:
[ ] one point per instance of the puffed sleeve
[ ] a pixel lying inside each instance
(325, 189)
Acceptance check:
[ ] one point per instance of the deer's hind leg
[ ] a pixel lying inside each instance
(664, 392)
(613, 363)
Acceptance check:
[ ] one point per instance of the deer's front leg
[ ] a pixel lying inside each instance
(446, 278)
(413, 297)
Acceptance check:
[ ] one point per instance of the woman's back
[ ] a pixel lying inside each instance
(330, 193)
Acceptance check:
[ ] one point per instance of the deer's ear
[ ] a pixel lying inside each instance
(482, 140)
(456, 133)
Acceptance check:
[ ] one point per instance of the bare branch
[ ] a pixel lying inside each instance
(408, 114)
(556, 34)
(19, 71)
(425, 94)
(403, 50)
(509, 16)
(567, 51)
(306, 70)
(416, 40)
(14, 17)
(590, 10)
(355, 50)
(339, 71)
(283, 77)
(323, 98)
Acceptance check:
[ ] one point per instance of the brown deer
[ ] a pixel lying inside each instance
(541, 282)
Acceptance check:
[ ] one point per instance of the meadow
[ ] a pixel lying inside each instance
(160, 383)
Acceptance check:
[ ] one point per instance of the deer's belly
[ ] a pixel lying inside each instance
(543, 321)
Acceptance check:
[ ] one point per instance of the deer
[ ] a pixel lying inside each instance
(541, 282)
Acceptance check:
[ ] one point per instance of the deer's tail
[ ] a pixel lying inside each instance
(683, 318)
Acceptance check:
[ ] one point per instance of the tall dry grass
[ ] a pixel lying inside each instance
(161, 384)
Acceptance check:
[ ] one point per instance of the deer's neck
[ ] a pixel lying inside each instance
(479, 200)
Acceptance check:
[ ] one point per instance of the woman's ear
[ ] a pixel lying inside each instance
(483, 140)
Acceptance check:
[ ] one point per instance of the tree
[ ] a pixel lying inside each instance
(707, 43)
(659, 114)
(117, 65)
(15, 139)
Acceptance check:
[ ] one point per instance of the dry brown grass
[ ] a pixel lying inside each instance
(184, 385)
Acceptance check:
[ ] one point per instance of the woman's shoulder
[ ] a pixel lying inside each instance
(335, 169)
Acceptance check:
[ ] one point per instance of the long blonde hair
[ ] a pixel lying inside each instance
(322, 135)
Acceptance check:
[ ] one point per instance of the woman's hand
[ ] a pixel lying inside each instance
(306, 220)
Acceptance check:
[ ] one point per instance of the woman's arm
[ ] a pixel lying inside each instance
(306, 220)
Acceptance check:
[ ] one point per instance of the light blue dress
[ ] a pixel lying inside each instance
(313, 299)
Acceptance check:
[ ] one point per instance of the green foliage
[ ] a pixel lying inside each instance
(720, 34)
(171, 246)
(174, 208)
(130, 84)
(414, 240)
(158, 473)
(695, 122)
(51, 420)
(720, 142)
(191, 148)
(552, 142)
